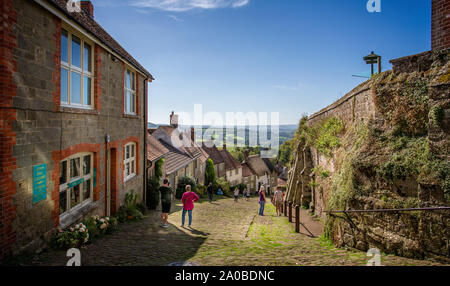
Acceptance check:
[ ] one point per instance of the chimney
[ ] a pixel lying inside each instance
(193, 134)
(224, 146)
(174, 120)
(88, 7)
(440, 24)
(246, 153)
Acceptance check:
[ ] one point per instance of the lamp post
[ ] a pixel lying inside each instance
(373, 59)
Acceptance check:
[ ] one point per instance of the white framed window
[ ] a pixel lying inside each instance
(129, 161)
(75, 182)
(77, 71)
(129, 102)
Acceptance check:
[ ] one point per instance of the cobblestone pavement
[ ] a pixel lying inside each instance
(223, 233)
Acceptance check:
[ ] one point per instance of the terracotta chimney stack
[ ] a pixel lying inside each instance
(193, 134)
(88, 7)
(246, 154)
(174, 119)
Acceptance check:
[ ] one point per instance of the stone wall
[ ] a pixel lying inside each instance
(412, 234)
(440, 24)
(43, 132)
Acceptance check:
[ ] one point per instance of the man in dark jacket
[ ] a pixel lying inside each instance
(166, 201)
(210, 192)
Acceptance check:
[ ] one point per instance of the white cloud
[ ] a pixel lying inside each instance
(297, 87)
(185, 5)
(175, 18)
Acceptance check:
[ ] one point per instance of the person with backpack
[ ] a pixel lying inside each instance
(166, 201)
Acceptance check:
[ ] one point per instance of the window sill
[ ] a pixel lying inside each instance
(78, 110)
(129, 179)
(131, 116)
(75, 214)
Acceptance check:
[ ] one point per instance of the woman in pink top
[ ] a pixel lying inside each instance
(188, 199)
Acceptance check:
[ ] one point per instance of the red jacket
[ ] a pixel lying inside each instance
(188, 200)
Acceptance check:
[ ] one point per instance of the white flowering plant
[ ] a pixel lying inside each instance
(75, 236)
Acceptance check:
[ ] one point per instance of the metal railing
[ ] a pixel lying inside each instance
(390, 210)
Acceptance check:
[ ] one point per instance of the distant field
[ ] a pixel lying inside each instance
(286, 132)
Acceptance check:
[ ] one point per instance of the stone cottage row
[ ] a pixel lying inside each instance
(185, 157)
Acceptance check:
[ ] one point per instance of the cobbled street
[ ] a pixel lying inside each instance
(223, 233)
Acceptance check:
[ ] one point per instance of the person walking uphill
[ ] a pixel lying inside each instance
(188, 199)
(278, 199)
(210, 191)
(166, 200)
(262, 200)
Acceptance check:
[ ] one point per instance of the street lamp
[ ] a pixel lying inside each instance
(373, 59)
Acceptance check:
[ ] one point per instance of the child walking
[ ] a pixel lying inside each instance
(188, 199)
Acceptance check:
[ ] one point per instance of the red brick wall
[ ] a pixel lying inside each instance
(56, 75)
(440, 24)
(98, 76)
(57, 157)
(8, 90)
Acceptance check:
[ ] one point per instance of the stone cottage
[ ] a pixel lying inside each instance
(73, 121)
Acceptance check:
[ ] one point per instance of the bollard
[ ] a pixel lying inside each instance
(297, 219)
(290, 211)
(285, 208)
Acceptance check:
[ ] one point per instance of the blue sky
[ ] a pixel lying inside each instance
(287, 56)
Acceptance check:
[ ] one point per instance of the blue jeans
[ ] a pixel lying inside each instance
(261, 207)
(184, 215)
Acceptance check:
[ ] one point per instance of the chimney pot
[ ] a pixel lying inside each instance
(88, 7)
(193, 134)
(174, 120)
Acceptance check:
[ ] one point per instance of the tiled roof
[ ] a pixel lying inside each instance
(247, 170)
(258, 165)
(192, 149)
(214, 154)
(269, 164)
(175, 159)
(155, 149)
(230, 162)
(84, 20)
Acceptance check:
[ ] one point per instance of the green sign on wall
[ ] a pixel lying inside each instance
(39, 183)
(75, 183)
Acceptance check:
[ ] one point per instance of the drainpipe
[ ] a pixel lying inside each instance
(145, 119)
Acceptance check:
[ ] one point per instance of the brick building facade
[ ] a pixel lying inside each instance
(73, 116)
(440, 24)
